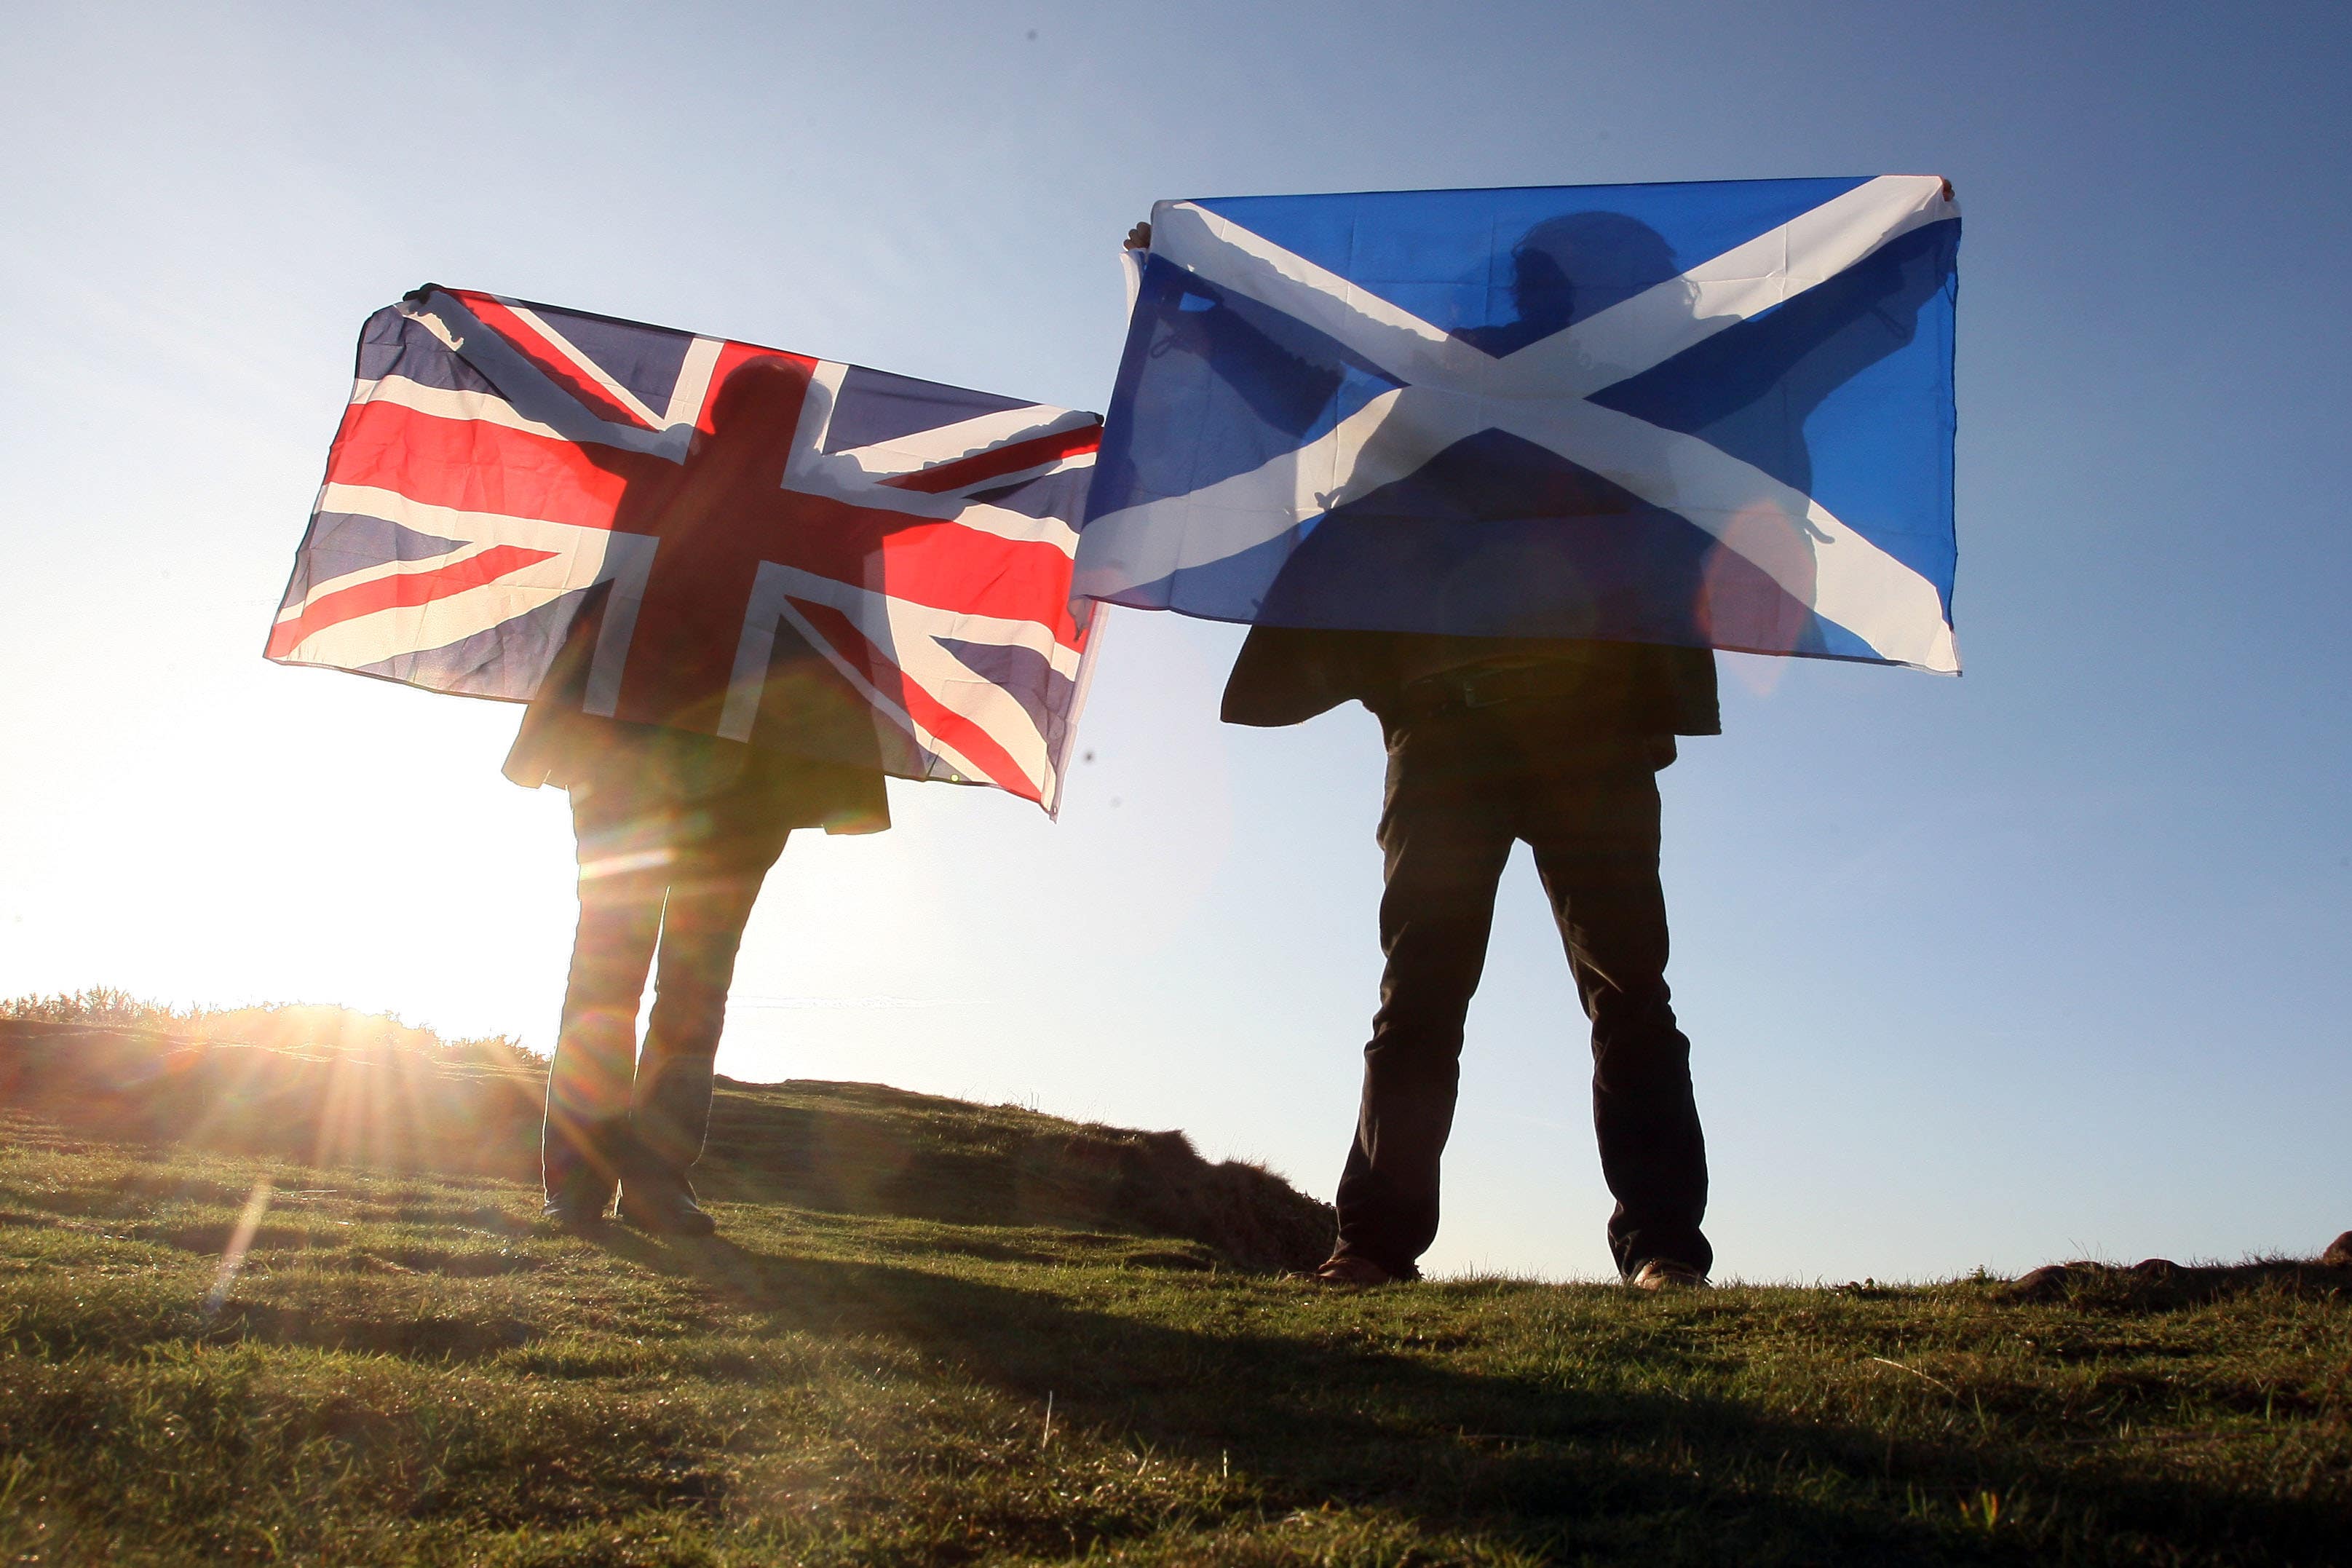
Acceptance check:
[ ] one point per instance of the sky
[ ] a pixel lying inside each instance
(2047, 961)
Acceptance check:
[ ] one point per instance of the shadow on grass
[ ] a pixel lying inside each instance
(440, 1337)
(1559, 1469)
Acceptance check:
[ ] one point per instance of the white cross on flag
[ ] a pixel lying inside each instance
(1710, 414)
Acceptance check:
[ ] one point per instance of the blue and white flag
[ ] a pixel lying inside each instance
(1712, 414)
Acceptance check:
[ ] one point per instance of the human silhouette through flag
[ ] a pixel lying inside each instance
(1716, 415)
(809, 556)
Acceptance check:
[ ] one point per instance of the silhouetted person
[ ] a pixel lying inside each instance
(677, 828)
(1493, 741)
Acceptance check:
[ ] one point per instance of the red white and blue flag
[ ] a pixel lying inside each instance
(505, 467)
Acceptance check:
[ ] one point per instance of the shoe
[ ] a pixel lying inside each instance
(1666, 1274)
(663, 1206)
(577, 1206)
(1354, 1270)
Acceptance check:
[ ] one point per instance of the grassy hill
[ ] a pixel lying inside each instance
(373, 1093)
(932, 1332)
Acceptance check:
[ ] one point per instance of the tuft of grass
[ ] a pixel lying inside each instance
(212, 1356)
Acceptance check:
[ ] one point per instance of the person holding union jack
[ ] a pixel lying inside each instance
(737, 586)
(677, 828)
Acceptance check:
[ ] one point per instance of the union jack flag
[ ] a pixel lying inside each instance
(505, 466)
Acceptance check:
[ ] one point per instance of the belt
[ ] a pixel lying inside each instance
(1457, 691)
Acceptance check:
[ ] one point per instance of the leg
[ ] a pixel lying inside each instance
(1442, 846)
(710, 899)
(584, 1143)
(1596, 843)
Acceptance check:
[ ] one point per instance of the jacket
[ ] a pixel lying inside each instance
(562, 744)
(1287, 675)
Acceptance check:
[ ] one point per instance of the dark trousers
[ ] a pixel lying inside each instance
(675, 881)
(1462, 787)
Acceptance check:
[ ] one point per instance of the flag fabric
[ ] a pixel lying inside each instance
(1708, 415)
(506, 467)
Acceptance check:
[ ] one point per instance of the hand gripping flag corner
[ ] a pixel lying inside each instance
(506, 469)
(1711, 414)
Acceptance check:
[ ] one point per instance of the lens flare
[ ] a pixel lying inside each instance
(240, 1242)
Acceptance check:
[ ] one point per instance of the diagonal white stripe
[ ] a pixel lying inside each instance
(418, 628)
(908, 634)
(1842, 576)
(1222, 252)
(453, 523)
(533, 393)
(1652, 327)
(937, 753)
(1006, 523)
(771, 594)
(1146, 542)
(581, 362)
(579, 557)
(946, 443)
(377, 573)
(995, 482)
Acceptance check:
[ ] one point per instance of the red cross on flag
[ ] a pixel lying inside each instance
(739, 511)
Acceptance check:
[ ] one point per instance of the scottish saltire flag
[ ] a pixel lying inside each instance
(1712, 415)
(505, 466)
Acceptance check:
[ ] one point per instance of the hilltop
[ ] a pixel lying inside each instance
(935, 1332)
(342, 1090)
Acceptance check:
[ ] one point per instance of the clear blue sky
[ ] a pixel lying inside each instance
(2049, 959)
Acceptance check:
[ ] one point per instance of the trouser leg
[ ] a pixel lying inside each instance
(1442, 857)
(585, 1138)
(1596, 847)
(702, 930)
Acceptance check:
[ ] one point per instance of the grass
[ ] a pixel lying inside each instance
(316, 1026)
(833, 1147)
(209, 1356)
